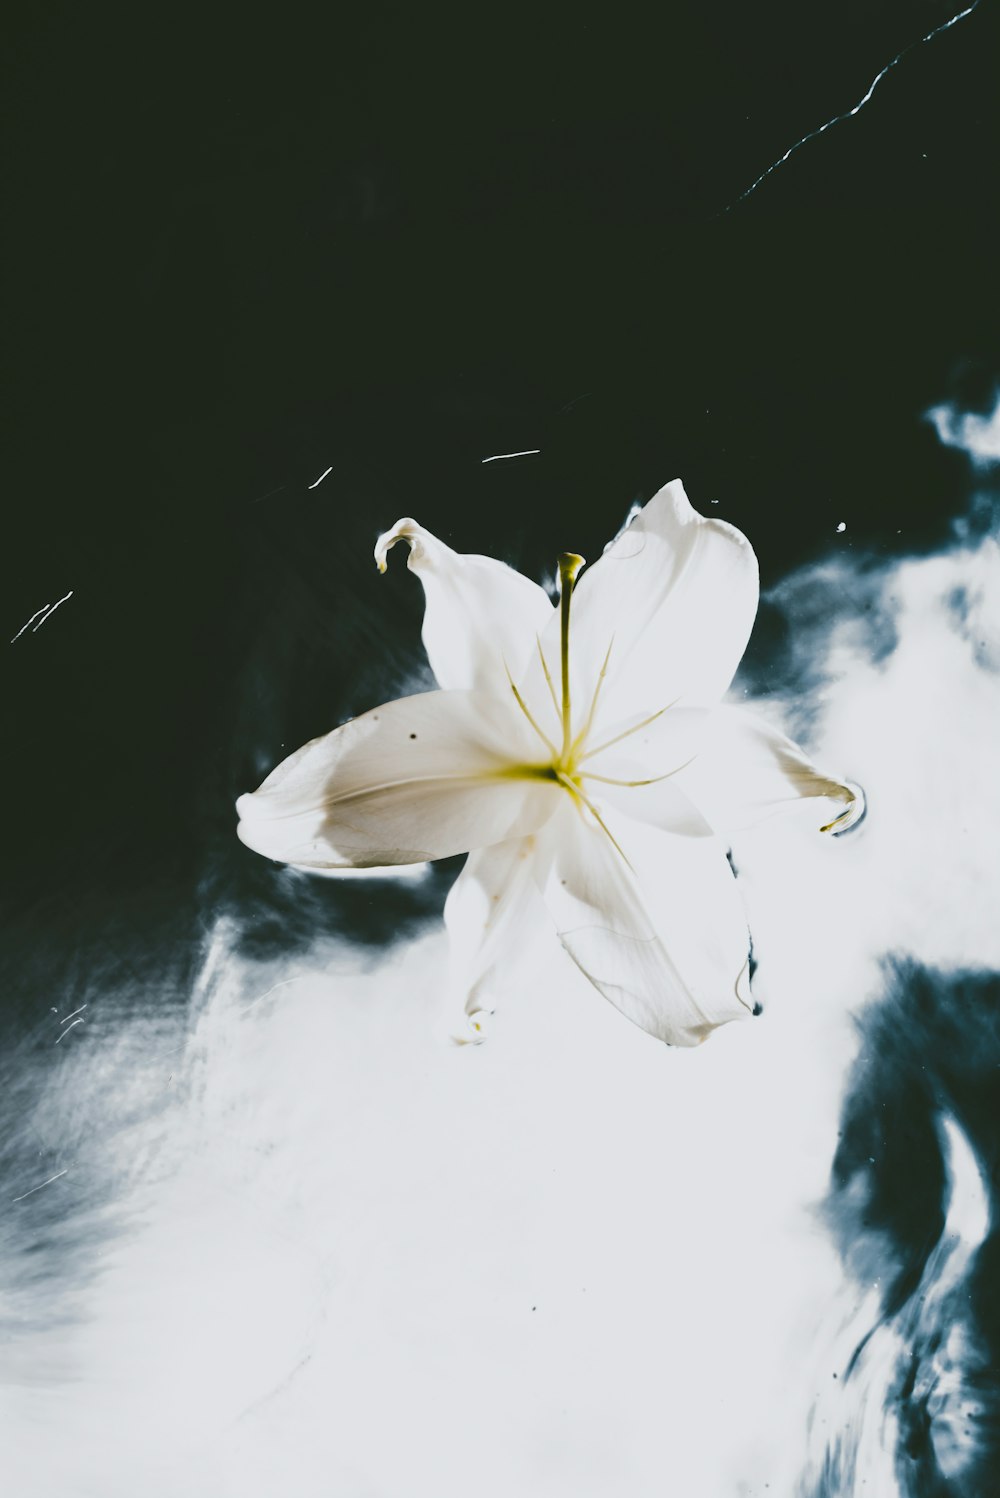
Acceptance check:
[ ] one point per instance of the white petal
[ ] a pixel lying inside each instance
(662, 804)
(746, 771)
(645, 747)
(398, 873)
(665, 940)
(674, 597)
(493, 910)
(479, 612)
(420, 778)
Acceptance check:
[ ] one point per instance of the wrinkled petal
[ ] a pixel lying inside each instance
(492, 909)
(421, 778)
(674, 598)
(479, 612)
(746, 771)
(663, 937)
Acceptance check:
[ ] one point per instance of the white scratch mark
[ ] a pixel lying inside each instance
(43, 610)
(321, 478)
(528, 451)
(261, 498)
(273, 989)
(44, 1183)
(72, 1012)
(850, 113)
(68, 1028)
(50, 612)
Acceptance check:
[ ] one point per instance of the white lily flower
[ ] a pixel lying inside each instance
(578, 753)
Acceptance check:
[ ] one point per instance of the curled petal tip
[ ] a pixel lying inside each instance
(743, 989)
(474, 1030)
(404, 530)
(852, 814)
(249, 813)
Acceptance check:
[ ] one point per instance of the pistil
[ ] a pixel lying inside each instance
(569, 566)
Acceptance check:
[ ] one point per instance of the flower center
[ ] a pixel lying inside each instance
(566, 760)
(562, 760)
(564, 764)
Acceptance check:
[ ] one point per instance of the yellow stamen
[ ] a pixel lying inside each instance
(582, 735)
(580, 795)
(548, 676)
(653, 780)
(629, 731)
(527, 713)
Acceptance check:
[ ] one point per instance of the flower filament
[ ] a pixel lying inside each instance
(564, 763)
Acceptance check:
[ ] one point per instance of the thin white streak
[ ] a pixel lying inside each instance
(261, 498)
(321, 478)
(74, 1011)
(528, 451)
(850, 113)
(44, 1183)
(274, 987)
(52, 610)
(68, 1028)
(43, 610)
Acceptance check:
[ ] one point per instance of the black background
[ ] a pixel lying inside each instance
(240, 251)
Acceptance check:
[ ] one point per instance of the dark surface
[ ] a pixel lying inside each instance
(395, 245)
